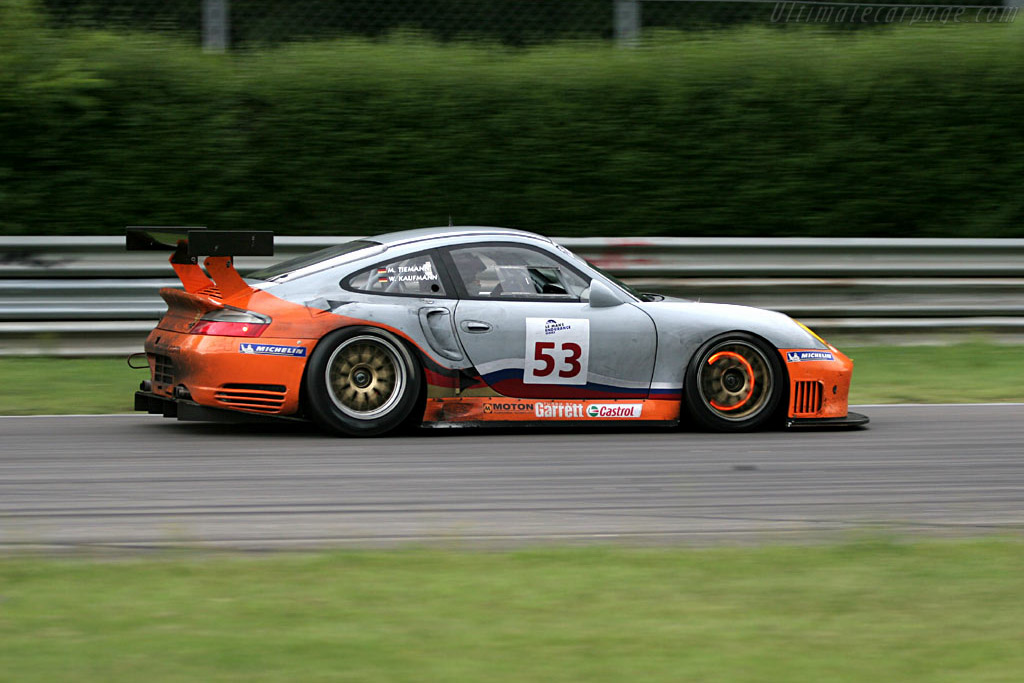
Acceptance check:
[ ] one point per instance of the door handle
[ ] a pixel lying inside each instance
(476, 326)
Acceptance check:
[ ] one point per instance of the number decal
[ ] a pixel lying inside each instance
(570, 363)
(557, 351)
(547, 358)
(572, 360)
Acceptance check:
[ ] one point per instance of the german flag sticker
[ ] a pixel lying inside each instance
(382, 279)
(382, 271)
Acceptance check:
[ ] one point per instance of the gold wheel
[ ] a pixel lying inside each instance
(735, 380)
(366, 376)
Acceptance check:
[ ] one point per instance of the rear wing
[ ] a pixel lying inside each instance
(196, 242)
(188, 244)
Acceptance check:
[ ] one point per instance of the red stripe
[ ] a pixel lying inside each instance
(439, 380)
(516, 387)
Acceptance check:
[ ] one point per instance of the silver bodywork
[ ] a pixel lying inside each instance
(635, 346)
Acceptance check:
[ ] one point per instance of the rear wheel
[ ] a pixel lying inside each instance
(735, 383)
(362, 382)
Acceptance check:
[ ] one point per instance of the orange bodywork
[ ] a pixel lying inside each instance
(217, 375)
(819, 388)
(213, 369)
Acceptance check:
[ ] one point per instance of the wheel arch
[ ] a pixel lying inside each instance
(785, 377)
(415, 414)
(775, 414)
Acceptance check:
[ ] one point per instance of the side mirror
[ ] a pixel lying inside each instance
(603, 296)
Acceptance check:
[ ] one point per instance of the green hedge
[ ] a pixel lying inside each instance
(902, 132)
(509, 22)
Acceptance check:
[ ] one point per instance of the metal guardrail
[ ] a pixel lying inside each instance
(86, 295)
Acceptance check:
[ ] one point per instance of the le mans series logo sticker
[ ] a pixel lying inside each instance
(798, 356)
(557, 351)
(272, 350)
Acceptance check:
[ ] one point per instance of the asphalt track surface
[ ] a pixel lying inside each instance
(139, 481)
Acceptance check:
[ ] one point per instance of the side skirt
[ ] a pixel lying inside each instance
(501, 410)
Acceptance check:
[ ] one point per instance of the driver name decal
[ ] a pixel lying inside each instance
(557, 351)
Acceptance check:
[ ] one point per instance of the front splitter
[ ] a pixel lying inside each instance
(851, 421)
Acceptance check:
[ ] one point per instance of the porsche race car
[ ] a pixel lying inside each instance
(466, 326)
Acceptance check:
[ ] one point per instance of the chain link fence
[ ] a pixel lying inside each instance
(220, 24)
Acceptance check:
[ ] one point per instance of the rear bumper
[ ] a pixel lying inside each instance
(191, 411)
(228, 373)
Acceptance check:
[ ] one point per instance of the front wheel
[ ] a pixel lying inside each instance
(362, 382)
(735, 383)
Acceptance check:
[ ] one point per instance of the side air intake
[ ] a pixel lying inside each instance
(807, 398)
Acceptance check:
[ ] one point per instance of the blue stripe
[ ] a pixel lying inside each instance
(497, 376)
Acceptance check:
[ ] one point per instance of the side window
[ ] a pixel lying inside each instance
(511, 272)
(411, 276)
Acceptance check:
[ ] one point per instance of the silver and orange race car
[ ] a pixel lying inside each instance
(466, 326)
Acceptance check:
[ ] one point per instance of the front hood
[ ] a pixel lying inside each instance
(697, 322)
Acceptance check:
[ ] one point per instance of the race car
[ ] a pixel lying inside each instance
(466, 326)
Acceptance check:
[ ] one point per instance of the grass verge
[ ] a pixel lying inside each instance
(972, 372)
(975, 372)
(865, 611)
(67, 386)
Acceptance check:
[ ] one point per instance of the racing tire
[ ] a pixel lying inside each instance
(362, 381)
(735, 383)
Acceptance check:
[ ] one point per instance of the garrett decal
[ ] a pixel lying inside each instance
(798, 356)
(563, 411)
(615, 410)
(271, 350)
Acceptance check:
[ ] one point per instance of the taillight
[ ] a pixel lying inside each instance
(231, 322)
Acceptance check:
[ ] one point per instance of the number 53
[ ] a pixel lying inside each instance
(570, 352)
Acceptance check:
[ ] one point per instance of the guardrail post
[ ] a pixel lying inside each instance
(216, 25)
(627, 21)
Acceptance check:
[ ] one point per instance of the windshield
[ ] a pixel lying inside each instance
(611, 278)
(318, 260)
(620, 283)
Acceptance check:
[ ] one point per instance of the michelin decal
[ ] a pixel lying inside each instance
(272, 350)
(798, 356)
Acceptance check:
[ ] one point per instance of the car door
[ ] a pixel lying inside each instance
(527, 332)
